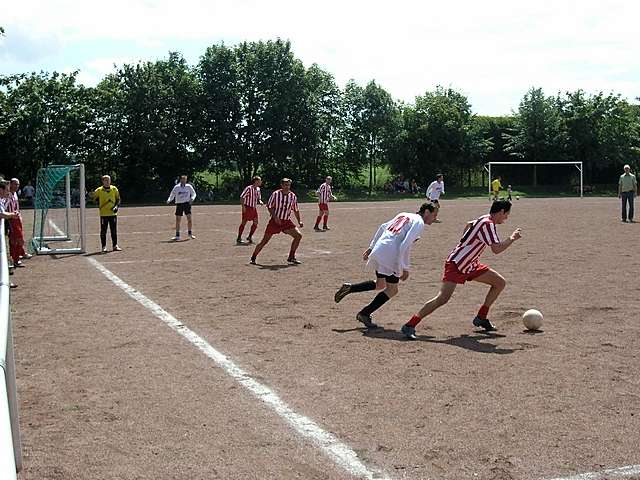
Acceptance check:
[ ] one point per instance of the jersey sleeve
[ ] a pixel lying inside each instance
(244, 193)
(378, 234)
(272, 201)
(488, 233)
(294, 203)
(193, 193)
(172, 195)
(405, 247)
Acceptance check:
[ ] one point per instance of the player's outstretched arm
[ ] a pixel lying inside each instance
(503, 245)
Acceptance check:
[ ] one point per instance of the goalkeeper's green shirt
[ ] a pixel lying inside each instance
(107, 199)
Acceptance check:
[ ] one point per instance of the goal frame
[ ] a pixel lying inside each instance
(578, 165)
(64, 235)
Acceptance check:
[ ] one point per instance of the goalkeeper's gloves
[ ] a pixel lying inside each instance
(115, 209)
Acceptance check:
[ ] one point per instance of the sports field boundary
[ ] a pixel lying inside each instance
(340, 453)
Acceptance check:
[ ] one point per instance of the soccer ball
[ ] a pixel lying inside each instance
(517, 197)
(532, 319)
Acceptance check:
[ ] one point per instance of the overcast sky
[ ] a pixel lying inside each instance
(492, 51)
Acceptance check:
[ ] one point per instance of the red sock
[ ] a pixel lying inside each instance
(483, 312)
(318, 221)
(324, 221)
(254, 227)
(240, 230)
(415, 320)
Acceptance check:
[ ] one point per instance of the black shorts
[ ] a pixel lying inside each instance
(388, 278)
(183, 209)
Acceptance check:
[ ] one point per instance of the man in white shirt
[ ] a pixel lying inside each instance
(389, 255)
(435, 189)
(184, 194)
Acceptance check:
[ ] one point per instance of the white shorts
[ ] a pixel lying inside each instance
(374, 265)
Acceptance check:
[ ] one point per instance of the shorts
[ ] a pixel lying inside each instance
(452, 274)
(183, 208)
(388, 278)
(324, 207)
(249, 214)
(273, 228)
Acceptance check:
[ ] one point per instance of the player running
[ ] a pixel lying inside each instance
(184, 194)
(463, 265)
(325, 195)
(281, 203)
(250, 198)
(389, 255)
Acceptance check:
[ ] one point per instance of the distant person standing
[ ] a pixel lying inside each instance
(29, 193)
(108, 198)
(495, 187)
(183, 194)
(16, 234)
(627, 190)
(281, 203)
(325, 195)
(250, 198)
(434, 190)
(509, 192)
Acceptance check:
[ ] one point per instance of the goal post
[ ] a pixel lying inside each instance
(578, 165)
(59, 210)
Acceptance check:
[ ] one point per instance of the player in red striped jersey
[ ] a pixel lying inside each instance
(463, 264)
(250, 198)
(281, 203)
(325, 195)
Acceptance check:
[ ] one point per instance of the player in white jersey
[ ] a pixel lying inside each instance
(281, 203)
(463, 264)
(434, 190)
(389, 255)
(183, 194)
(325, 195)
(250, 198)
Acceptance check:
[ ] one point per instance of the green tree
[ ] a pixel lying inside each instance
(43, 121)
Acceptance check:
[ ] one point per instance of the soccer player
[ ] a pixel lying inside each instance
(389, 255)
(463, 265)
(325, 195)
(281, 203)
(435, 189)
(495, 187)
(509, 192)
(250, 198)
(108, 198)
(184, 194)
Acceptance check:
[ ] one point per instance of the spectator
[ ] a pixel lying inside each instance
(627, 190)
(29, 194)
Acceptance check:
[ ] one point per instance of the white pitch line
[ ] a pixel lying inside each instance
(339, 452)
(621, 472)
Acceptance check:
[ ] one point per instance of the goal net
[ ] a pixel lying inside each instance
(572, 178)
(59, 210)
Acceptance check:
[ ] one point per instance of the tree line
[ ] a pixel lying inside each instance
(255, 109)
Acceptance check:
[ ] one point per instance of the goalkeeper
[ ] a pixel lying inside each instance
(108, 199)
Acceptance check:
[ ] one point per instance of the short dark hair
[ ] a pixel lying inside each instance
(425, 206)
(500, 205)
(439, 175)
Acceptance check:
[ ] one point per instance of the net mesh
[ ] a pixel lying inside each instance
(57, 212)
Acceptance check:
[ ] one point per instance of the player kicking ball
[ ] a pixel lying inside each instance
(463, 265)
(389, 254)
